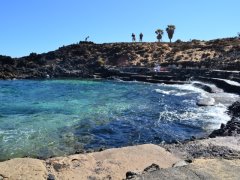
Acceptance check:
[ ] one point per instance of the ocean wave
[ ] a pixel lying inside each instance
(170, 92)
(208, 118)
(163, 91)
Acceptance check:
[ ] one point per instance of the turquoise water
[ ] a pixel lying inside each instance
(59, 117)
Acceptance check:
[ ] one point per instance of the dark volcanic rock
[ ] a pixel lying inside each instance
(204, 87)
(151, 168)
(192, 149)
(51, 177)
(232, 128)
(234, 109)
(88, 57)
(199, 170)
(130, 175)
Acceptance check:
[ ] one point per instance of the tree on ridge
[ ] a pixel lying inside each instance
(159, 33)
(170, 30)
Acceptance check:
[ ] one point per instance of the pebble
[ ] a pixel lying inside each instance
(51, 177)
(130, 175)
(152, 168)
(180, 163)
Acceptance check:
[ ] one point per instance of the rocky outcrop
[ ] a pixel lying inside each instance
(199, 159)
(200, 169)
(212, 158)
(224, 84)
(86, 58)
(25, 168)
(108, 164)
(232, 128)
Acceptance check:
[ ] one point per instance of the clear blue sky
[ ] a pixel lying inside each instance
(44, 25)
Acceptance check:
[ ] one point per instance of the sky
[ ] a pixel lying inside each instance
(44, 25)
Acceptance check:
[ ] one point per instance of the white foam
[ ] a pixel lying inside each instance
(188, 87)
(211, 116)
(180, 94)
(170, 92)
(163, 91)
(231, 82)
(216, 115)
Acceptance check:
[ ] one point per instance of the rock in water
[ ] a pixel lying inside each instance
(203, 86)
(206, 101)
(232, 128)
(234, 110)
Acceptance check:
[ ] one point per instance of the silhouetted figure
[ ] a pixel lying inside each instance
(86, 39)
(133, 37)
(140, 37)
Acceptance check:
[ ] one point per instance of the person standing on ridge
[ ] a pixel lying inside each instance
(86, 39)
(133, 37)
(140, 37)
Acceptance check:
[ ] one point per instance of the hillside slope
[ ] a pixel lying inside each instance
(82, 60)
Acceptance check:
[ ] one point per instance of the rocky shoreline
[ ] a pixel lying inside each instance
(177, 160)
(211, 158)
(214, 158)
(190, 154)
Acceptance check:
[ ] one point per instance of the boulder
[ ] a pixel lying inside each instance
(206, 101)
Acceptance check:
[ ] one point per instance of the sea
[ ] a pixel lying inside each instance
(46, 118)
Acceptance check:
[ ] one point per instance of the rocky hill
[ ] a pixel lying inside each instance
(86, 58)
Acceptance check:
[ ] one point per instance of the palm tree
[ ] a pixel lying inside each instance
(170, 30)
(159, 33)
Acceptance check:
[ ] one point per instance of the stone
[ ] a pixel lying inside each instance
(26, 168)
(151, 168)
(199, 169)
(113, 162)
(130, 175)
(180, 163)
(51, 177)
(204, 87)
(206, 101)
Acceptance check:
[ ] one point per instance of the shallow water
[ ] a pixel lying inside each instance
(58, 117)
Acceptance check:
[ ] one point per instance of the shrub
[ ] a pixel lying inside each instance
(6, 60)
(36, 58)
(50, 56)
(100, 61)
(178, 41)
